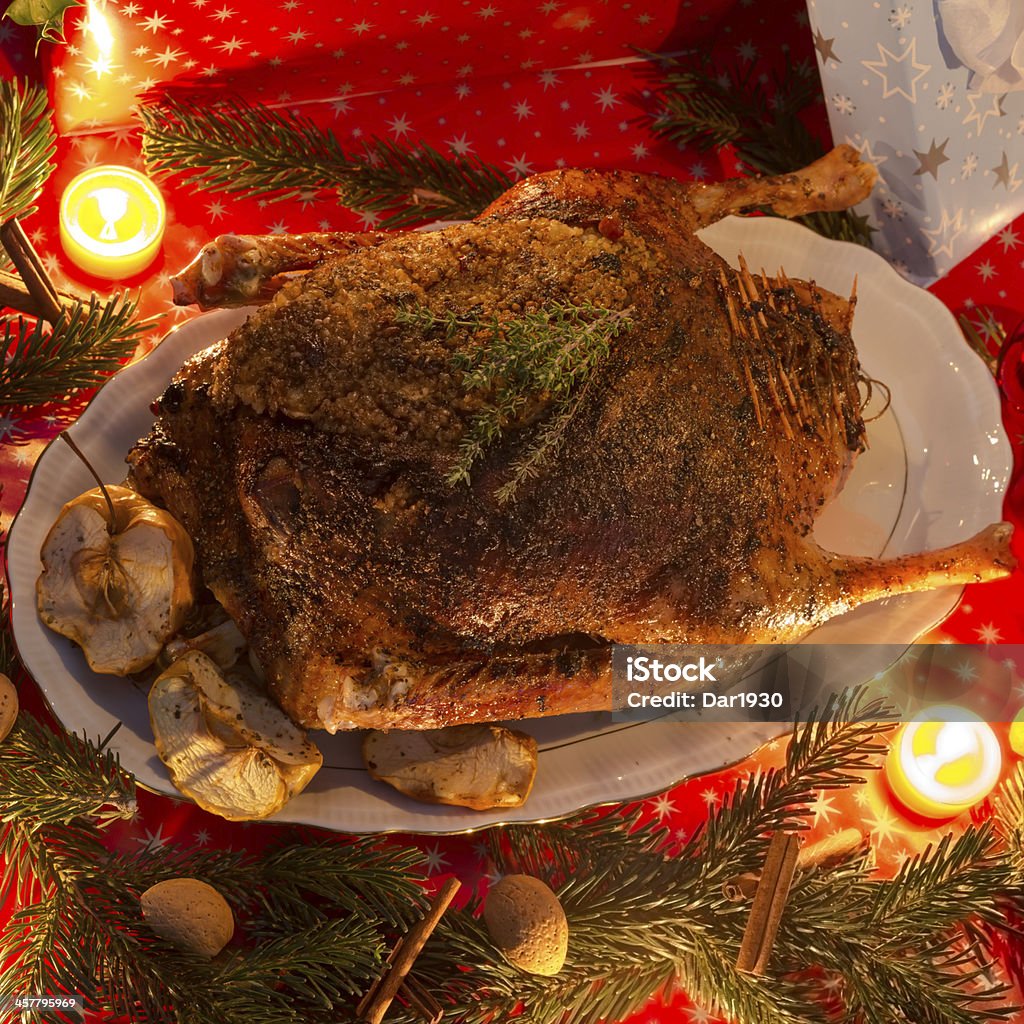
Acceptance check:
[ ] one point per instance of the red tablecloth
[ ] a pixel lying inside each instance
(528, 87)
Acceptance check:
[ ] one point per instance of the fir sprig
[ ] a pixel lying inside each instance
(27, 145)
(709, 106)
(642, 921)
(545, 356)
(238, 146)
(317, 915)
(85, 346)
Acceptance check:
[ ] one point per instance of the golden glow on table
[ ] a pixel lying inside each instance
(112, 221)
(943, 762)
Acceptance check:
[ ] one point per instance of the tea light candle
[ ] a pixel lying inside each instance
(943, 762)
(111, 221)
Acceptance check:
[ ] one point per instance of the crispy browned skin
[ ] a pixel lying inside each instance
(307, 457)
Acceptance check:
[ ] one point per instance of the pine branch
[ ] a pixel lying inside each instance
(237, 146)
(27, 146)
(85, 347)
(709, 107)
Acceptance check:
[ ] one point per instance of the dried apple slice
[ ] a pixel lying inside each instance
(477, 766)
(223, 643)
(225, 744)
(116, 579)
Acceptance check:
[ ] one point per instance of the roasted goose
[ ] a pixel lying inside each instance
(309, 454)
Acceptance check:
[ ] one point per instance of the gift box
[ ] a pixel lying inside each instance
(933, 96)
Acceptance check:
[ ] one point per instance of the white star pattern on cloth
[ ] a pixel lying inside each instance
(154, 23)
(297, 36)
(899, 66)
(361, 27)
(945, 95)
(697, 1015)
(224, 13)
(663, 807)
(9, 427)
(900, 17)
(988, 634)
(607, 98)
(169, 56)
(883, 827)
(278, 228)
(232, 44)
(425, 19)
(843, 104)
(523, 109)
(434, 859)
(710, 797)
(893, 209)
(965, 672)
(1008, 238)
(460, 145)
(399, 126)
(986, 270)
(993, 108)
(580, 130)
(202, 837)
(549, 80)
(520, 166)
(640, 151)
(154, 840)
(969, 166)
(823, 807)
(950, 228)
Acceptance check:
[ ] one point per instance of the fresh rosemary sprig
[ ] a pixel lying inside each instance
(238, 146)
(709, 106)
(85, 346)
(27, 145)
(546, 355)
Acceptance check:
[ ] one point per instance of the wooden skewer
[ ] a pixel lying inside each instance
(30, 267)
(374, 1004)
(769, 903)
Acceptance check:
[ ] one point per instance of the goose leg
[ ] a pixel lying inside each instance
(242, 270)
(837, 181)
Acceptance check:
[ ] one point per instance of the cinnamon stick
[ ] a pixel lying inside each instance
(14, 295)
(374, 1004)
(33, 273)
(769, 903)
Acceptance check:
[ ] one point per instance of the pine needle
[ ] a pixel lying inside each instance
(86, 346)
(27, 146)
(247, 148)
(709, 107)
